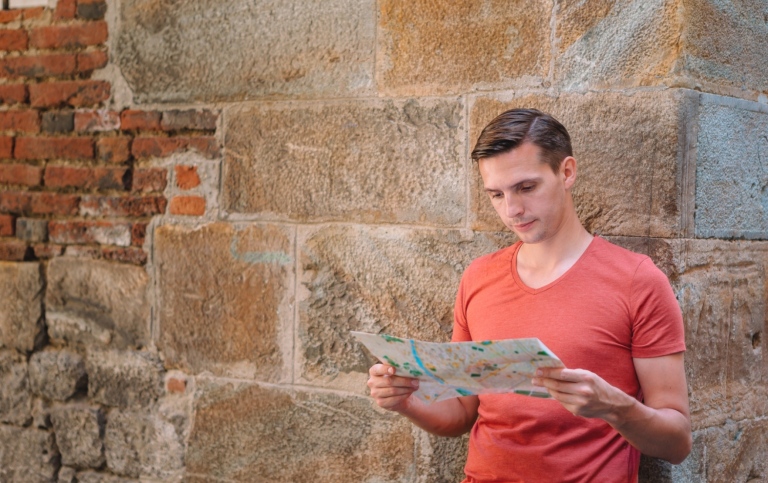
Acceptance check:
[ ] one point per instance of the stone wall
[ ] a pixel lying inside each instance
(198, 201)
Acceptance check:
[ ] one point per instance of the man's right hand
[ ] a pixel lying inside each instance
(390, 392)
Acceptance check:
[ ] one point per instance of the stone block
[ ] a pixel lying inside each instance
(67, 475)
(376, 161)
(27, 455)
(15, 399)
(32, 230)
(429, 48)
(205, 50)
(90, 476)
(722, 288)
(226, 298)
(441, 459)
(731, 181)
(629, 149)
(79, 436)
(736, 451)
(124, 379)
(138, 444)
(392, 280)
(78, 331)
(111, 296)
(57, 375)
(626, 43)
(243, 429)
(21, 326)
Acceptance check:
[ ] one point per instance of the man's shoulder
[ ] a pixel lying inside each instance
(610, 252)
(492, 261)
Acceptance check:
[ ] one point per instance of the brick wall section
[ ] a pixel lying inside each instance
(69, 165)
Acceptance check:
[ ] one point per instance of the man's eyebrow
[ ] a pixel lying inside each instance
(516, 185)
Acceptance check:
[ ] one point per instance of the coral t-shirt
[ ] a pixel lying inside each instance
(612, 305)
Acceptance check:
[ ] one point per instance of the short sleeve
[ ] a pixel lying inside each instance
(657, 327)
(460, 326)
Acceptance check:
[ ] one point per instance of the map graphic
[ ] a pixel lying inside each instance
(455, 369)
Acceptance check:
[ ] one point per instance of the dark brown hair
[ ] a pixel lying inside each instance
(512, 128)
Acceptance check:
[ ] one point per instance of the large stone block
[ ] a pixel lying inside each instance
(226, 298)
(630, 151)
(732, 169)
(138, 444)
(736, 451)
(428, 48)
(57, 375)
(21, 286)
(622, 43)
(284, 435)
(216, 50)
(79, 436)
(723, 297)
(110, 296)
(391, 280)
(27, 455)
(15, 398)
(374, 161)
(124, 378)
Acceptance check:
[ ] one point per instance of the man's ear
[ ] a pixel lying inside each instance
(568, 171)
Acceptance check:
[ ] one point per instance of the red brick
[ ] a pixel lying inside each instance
(20, 121)
(187, 205)
(146, 120)
(74, 93)
(149, 180)
(97, 121)
(14, 251)
(186, 177)
(176, 385)
(133, 255)
(13, 40)
(7, 16)
(189, 120)
(68, 36)
(138, 234)
(53, 148)
(65, 10)
(38, 203)
(86, 178)
(140, 206)
(13, 94)
(85, 232)
(6, 147)
(91, 61)
(44, 251)
(147, 147)
(38, 65)
(30, 13)
(113, 150)
(7, 225)
(21, 174)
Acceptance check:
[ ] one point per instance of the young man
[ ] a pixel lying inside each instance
(609, 314)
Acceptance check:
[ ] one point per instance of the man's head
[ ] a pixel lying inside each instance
(517, 126)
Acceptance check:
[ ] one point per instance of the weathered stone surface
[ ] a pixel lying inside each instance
(441, 459)
(57, 374)
(375, 161)
(629, 152)
(79, 436)
(21, 287)
(731, 177)
(616, 42)
(429, 48)
(736, 451)
(391, 280)
(226, 298)
(98, 477)
(242, 430)
(692, 470)
(218, 50)
(27, 455)
(67, 475)
(77, 331)
(140, 444)
(15, 399)
(723, 287)
(109, 295)
(124, 378)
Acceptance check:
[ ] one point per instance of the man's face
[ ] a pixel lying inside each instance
(529, 197)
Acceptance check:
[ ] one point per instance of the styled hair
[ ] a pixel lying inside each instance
(512, 128)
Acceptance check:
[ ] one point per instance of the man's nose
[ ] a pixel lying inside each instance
(514, 206)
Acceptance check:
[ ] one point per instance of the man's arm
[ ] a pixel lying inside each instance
(451, 417)
(660, 427)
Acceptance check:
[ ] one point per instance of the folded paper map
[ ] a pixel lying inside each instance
(455, 369)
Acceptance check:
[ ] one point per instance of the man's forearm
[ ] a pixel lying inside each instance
(452, 417)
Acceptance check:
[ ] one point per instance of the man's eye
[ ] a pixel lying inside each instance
(527, 187)
(495, 195)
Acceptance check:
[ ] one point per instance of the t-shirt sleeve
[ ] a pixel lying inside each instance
(657, 328)
(460, 326)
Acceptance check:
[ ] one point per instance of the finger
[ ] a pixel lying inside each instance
(381, 370)
(390, 392)
(561, 373)
(393, 381)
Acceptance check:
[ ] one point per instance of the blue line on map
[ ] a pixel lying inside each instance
(421, 364)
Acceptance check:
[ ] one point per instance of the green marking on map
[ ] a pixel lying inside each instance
(487, 342)
(416, 373)
(475, 348)
(463, 392)
(391, 362)
(542, 353)
(389, 338)
(474, 375)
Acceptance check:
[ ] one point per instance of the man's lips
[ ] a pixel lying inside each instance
(523, 226)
